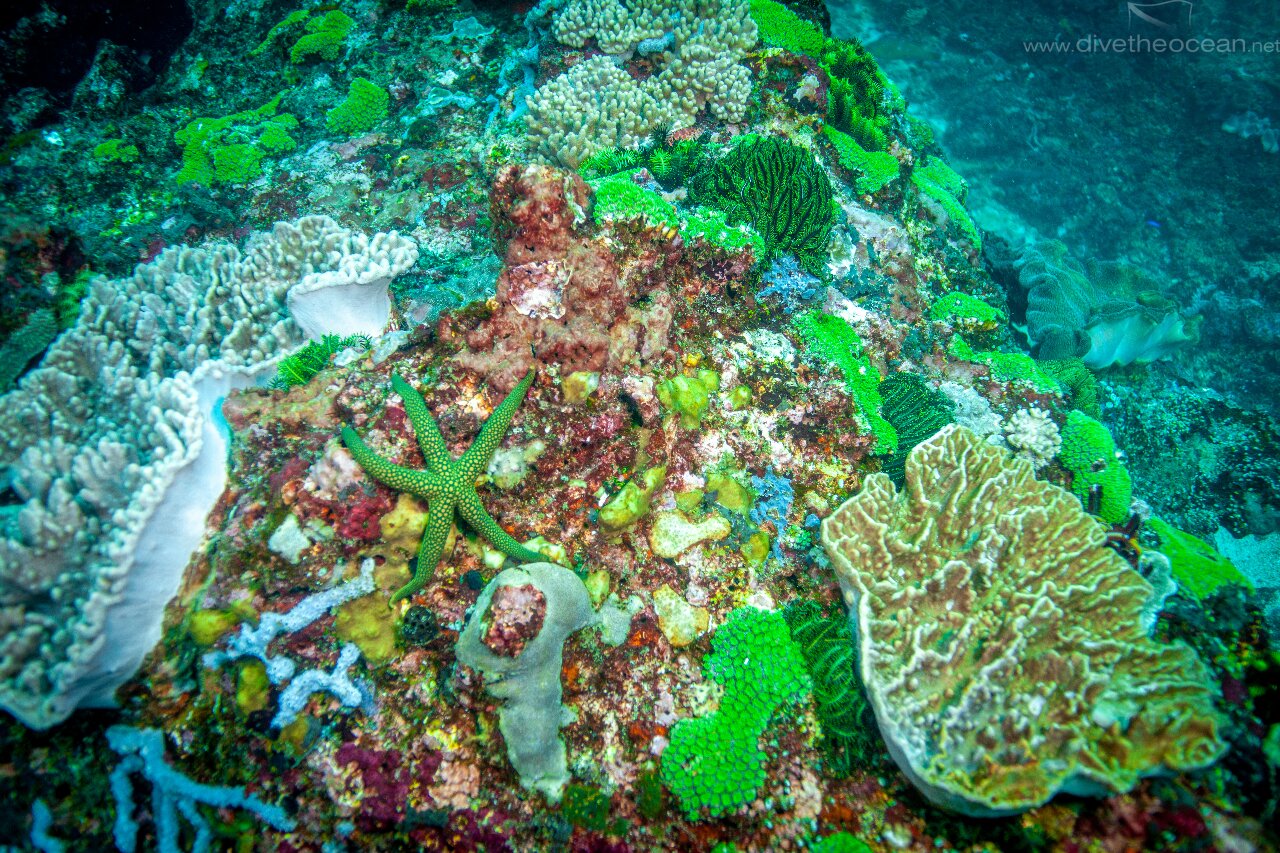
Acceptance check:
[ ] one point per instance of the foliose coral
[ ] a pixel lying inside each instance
(1000, 641)
(116, 459)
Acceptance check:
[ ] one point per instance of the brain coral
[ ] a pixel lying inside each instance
(1000, 640)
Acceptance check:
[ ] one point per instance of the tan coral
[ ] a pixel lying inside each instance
(1001, 642)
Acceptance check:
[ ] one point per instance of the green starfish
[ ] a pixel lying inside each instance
(448, 485)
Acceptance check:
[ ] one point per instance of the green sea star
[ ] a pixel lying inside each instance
(448, 485)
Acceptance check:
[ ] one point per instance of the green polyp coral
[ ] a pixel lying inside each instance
(324, 37)
(689, 396)
(941, 183)
(834, 341)
(231, 149)
(115, 151)
(781, 27)
(968, 310)
(618, 198)
(1098, 478)
(875, 169)
(631, 502)
(289, 22)
(1197, 566)
(777, 188)
(841, 842)
(448, 485)
(1006, 366)
(714, 764)
(365, 106)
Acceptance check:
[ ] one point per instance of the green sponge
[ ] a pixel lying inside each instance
(833, 340)
(1197, 567)
(714, 762)
(1089, 453)
(365, 106)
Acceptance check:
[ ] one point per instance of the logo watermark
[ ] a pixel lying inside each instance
(1159, 28)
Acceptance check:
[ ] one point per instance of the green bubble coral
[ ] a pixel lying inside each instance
(714, 763)
(1098, 478)
(365, 106)
(231, 149)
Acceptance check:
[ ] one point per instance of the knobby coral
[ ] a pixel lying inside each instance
(1000, 641)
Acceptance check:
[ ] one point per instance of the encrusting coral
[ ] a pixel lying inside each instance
(1000, 641)
(448, 485)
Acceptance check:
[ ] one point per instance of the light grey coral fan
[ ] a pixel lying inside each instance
(111, 446)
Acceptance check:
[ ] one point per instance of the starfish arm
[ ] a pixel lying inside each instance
(474, 514)
(424, 426)
(476, 459)
(439, 520)
(424, 484)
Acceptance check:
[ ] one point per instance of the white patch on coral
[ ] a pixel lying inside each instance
(1033, 436)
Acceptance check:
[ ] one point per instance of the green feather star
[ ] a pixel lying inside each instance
(447, 485)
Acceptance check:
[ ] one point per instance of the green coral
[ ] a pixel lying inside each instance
(365, 106)
(1097, 475)
(777, 188)
(324, 37)
(115, 151)
(619, 198)
(689, 396)
(780, 27)
(916, 412)
(848, 726)
(875, 169)
(961, 306)
(941, 183)
(715, 762)
(290, 21)
(1197, 566)
(833, 340)
(301, 367)
(26, 344)
(588, 807)
(230, 149)
(841, 842)
(1006, 366)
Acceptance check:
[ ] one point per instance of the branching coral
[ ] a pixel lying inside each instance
(1001, 642)
(597, 105)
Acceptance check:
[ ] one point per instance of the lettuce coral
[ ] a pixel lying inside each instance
(1000, 641)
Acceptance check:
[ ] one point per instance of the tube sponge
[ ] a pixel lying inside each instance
(516, 637)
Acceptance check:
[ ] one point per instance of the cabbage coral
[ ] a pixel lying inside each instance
(1000, 641)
